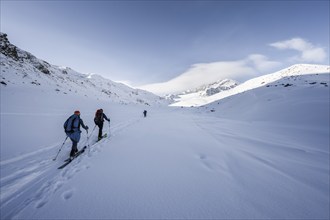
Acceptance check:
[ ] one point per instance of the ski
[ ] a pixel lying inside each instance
(104, 136)
(69, 160)
(76, 155)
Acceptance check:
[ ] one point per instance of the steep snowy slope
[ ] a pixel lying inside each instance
(20, 69)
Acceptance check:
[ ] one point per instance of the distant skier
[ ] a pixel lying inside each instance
(99, 119)
(145, 113)
(72, 130)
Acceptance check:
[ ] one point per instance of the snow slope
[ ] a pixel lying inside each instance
(293, 74)
(20, 70)
(259, 154)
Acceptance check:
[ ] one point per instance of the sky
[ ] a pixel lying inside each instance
(151, 42)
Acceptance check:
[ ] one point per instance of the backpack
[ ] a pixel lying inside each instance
(68, 125)
(98, 116)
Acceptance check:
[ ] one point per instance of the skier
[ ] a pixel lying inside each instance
(145, 113)
(99, 119)
(72, 130)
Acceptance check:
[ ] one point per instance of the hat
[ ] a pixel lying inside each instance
(77, 112)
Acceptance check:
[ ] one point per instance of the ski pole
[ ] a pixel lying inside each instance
(92, 131)
(89, 148)
(109, 129)
(88, 139)
(60, 148)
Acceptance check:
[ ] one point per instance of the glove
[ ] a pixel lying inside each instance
(108, 120)
(86, 127)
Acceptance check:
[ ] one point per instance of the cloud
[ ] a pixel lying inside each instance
(205, 73)
(200, 74)
(262, 63)
(309, 52)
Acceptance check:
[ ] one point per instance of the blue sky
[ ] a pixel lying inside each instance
(144, 42)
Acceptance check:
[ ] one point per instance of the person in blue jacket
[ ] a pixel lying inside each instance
(72, 130)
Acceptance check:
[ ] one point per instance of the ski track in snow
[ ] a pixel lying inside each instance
(240, 155)
(41, 178)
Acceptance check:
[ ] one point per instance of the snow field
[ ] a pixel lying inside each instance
(179, 165)
(263, 153)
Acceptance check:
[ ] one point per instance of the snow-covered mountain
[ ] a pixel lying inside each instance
(20, 69)
(203, 91)
(219, 86)
(306, 75)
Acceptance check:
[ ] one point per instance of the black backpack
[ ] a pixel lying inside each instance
(98, 116)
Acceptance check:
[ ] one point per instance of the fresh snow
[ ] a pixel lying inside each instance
(261, 153)
(292, 74)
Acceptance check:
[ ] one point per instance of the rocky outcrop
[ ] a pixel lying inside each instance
(16, 54)
(7, 48)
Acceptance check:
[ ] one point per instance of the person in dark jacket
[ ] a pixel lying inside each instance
(145, 113)
(72, 130)
(99, 120)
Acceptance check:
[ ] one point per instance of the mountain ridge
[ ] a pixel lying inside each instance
(290, 75)
(19, 67)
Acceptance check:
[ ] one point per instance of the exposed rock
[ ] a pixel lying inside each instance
(7, 48)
